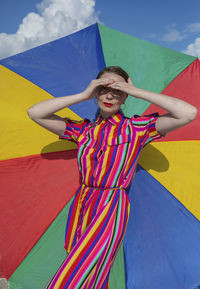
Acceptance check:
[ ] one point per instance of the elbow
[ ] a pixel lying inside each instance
(193, 113)
(30, 113)
(190, 115)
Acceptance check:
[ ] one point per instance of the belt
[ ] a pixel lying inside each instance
(112, 188)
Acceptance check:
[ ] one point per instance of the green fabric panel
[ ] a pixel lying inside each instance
(151, 67)
(47, 255)
(117, 279)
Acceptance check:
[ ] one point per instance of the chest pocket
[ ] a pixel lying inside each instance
(117, 140)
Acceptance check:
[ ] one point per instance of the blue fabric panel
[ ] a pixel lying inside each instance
(162, 241)
(64, 66)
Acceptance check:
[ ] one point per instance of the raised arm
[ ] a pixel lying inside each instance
(180, 112)
(43, 113)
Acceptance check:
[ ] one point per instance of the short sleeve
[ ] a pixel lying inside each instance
(73, 129)
(147, 127)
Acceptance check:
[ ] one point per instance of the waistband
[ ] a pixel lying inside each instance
(112, 188)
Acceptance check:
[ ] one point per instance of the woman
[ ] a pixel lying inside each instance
(108, 151)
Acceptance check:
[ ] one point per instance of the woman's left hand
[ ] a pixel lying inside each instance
(126, 87)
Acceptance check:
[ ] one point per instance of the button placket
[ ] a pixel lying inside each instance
(100, 152)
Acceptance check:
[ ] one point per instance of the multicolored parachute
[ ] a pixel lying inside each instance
(39, 174)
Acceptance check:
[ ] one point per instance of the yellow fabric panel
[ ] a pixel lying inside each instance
(176, 165)
(20, 136)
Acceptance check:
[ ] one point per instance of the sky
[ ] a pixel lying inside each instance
(173, 24)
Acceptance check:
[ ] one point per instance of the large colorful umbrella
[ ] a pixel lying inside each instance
(39, 174)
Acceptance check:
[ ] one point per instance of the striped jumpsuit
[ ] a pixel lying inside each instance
(108, 152)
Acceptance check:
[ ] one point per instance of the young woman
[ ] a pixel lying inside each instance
(108, 152)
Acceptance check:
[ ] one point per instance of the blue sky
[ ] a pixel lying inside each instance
(172, 24)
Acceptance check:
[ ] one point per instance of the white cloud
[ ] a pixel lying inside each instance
(190, 29)
(55, 18)
(193, 27)
(173, 36)
(193, 48)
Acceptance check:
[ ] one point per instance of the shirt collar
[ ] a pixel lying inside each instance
(114, 119)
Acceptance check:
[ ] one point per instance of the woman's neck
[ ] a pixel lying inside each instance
(105, 114)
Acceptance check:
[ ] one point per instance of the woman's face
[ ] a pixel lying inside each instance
(109, 100)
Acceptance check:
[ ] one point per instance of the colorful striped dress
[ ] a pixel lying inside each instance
(108, 152)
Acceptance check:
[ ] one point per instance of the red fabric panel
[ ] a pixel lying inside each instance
(185, 86)
(34, 190)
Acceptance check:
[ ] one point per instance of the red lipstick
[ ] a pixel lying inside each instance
(108, 104)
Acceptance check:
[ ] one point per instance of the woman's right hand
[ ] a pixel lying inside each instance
(43, 112)
(92, 88)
